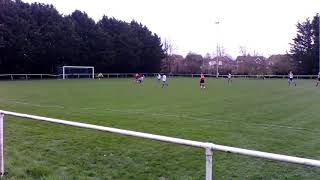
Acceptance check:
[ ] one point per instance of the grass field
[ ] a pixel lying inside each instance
(264, 115)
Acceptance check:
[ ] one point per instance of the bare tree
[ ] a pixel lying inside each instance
(220, 50)
(243, 50)
(205, 62)
(168, 50)
(256, 53)
(207, 56)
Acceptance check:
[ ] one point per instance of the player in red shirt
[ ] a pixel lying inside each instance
(136, 76)
(202, 78)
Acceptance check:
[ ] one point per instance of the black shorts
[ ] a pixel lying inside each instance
(290, 79)
(202, 81)
(318, 79)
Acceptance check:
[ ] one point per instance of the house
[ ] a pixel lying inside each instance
(251, 65)
(225, 64)
(280, 64)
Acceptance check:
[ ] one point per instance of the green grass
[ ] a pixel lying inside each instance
(264, 115)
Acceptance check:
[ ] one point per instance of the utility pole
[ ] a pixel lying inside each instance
(217, 63)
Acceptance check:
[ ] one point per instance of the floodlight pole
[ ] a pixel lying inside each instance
(217, 63)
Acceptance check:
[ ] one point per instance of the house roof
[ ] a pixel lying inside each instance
(256, 59)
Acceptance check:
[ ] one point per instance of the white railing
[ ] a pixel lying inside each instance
(28, 76)
(130, 75)
(126, 75)
(208, 147)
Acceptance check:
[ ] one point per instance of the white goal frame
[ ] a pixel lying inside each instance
(76, 67)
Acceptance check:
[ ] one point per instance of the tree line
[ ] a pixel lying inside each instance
(305, 46)
(35, 38)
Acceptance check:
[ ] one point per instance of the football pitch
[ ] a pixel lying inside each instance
(264, 115)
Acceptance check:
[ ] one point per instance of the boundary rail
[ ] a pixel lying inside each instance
(208, 147)
(128, 75)
(27, 76)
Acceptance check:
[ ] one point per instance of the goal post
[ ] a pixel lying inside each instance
(77, 72)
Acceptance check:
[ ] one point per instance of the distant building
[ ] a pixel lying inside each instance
(225, 65)
(251, 65)
(280, 64)
(172, 64)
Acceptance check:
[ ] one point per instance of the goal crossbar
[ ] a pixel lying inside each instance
(208, 147)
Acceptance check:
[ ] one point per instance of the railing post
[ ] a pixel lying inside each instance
(1, 146)
(209, 153)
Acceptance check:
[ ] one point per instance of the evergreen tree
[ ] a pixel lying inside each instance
(305, 46)
(35, 38)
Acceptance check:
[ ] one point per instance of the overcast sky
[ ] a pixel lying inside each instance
(264, 26)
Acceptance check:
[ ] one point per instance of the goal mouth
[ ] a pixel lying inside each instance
(76, 72)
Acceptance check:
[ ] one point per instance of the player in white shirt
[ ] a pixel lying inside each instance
(290, 79)
(164, 81)
(229, 78)
(141, 78)
(159, 77)
(318, 79)
(100, 75)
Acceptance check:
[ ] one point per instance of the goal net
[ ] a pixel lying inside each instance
(68, 72)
